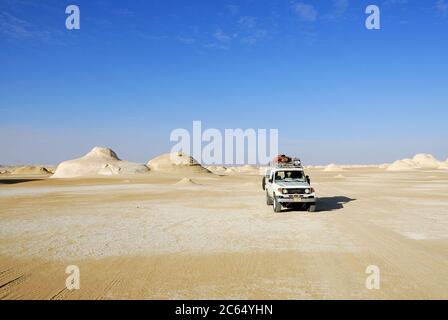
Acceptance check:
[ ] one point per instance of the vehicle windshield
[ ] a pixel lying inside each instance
(289, 175)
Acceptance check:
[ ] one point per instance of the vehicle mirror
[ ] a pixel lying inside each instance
(308, 179)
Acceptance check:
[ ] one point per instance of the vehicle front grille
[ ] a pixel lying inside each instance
(296, 191)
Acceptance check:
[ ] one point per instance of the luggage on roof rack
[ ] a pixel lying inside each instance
(282, 161)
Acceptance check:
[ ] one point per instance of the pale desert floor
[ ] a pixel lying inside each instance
(148, 238)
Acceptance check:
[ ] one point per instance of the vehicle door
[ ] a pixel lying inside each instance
(269, 183)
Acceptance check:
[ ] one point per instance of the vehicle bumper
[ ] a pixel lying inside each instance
(290, 199)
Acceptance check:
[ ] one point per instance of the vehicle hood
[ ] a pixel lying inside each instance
(292, 184)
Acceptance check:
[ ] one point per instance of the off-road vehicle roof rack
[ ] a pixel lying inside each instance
(294, 163)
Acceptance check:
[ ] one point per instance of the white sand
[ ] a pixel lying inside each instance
(203, 236)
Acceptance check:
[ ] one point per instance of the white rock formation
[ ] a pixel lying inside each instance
(30, 170)
(99, 161)
(419, 161)
(186, 182)
(176, 162)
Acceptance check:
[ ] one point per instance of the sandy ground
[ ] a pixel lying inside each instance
(146, 237)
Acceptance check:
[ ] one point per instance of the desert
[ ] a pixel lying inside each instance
(172, 229)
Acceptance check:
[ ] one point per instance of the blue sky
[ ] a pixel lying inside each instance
(136, 70)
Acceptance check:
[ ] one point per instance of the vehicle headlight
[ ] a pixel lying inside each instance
(285, 191)
(307, 190)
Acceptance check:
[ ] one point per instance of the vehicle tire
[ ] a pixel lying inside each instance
(312, 208)
(276, 205)
(269, 201)
(263, 183)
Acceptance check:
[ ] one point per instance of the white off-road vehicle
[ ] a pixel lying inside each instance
(287, 186)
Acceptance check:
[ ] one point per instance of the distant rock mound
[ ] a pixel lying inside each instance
(250, 169)
(51, 169)
(99, 161)
(30, 170)
(186, 182)
(245, 169)
(402, 165)
(333, 168)
(426, 161)
(444, 165)
(419, 161)
(176, 162)
(218, 169)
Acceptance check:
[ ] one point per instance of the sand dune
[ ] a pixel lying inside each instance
(99, 161)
